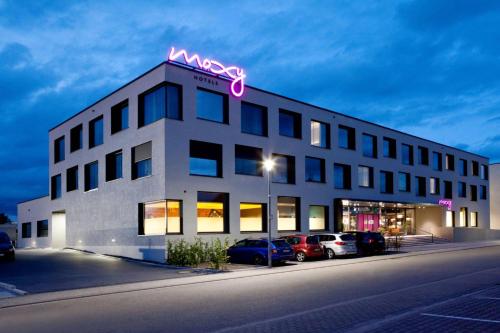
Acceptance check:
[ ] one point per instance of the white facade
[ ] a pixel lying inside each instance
(495, 195)
(106, 219)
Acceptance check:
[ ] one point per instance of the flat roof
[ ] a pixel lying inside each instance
(267, 92)
(36, 198)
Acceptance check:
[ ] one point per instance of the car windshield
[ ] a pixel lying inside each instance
(4, 238)
(347, 237)
(280, 243)
(312, 240)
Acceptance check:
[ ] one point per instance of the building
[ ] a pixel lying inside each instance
(495, 196)
(173, 154)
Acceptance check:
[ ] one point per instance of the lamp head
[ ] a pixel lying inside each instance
(268, 164)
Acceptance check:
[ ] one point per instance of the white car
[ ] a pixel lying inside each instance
(338, 244)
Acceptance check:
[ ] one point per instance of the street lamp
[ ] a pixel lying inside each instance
(269, 165)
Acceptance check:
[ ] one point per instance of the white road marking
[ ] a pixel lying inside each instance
(461, 318)
(488, 297)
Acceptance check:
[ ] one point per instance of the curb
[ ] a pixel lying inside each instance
(12, 289)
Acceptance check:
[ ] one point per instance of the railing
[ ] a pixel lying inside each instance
(428, 233)
(395, 241)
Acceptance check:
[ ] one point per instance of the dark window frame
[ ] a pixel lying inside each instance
(111, 169)
(296, 121)
(391, 147)
(351, 137)
(423, 155)
(59, 149)
(265, 118)
(290, 168)
(76, 138)
(407, 176)
(164, 114)
(92, 132)
(26, 230)
(225, 106)
(328, 143)
(55, 187)
(196, 150)
(322, 170)
(135, 164)
(389, 182)
(42, 228)
(371, 176)
(240, 150)
(87, 176)
(116, 116)
(72, 179)
(346, 176)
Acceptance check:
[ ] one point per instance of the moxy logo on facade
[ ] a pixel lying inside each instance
(235, 74)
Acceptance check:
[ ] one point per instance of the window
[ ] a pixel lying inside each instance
(205, 159)
(76, 138)
(284, 170)
(342, 176)
(159, 102)
(407, 154)
(434, 185)
(420, 186)
(404, 182)
(475, 168)
(212, 212)
(160, 217)
(386, 182)
(437, 161)
(448, 189)
(347, 137)
(91, 176)
(462, 167)
(59, 149)
(114, 168)
(253, 217)
(141, 160)
(484, 172)
(318, 218)
(212, 106)
(482, 192)
(42, 228)
(320, 134)
(315, 170)
(290, 124)
(463, 217)
(423, 155)
(462, 190)
(55, 187)
(365, 176)
(288, 214)
(72, 179)
(119, 117)
(253, 119)
(473, 193)
(369, 145)
(389, 147)
(96, 128)
(26, 230)
(473, 219)
(450, 218)
(248, 160)
(450, 162)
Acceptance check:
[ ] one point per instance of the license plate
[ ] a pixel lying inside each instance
(286, 251)
(317, 250)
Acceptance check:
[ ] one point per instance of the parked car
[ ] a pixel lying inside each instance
(338, 244)
(255, 251)
(369, 242)
(7, 250)
(304, 246)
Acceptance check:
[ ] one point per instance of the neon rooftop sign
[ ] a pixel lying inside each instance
(446, 203)
(233, 73)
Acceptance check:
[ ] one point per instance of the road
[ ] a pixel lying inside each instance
(357, 296)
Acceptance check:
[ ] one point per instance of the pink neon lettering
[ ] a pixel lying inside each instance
(236, 74)
(446, 203)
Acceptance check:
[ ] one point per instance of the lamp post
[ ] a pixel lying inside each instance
(269, 165)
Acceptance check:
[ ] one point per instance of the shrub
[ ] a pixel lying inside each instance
(182, 253)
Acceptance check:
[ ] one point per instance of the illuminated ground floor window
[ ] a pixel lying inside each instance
(473, 219)
(318, 217)
(212, 213)
(463, 217)
(252, 217)
(160, 217)
(288, 213)
(450, 218)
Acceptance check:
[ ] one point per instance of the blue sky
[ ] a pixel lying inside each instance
(430, 68)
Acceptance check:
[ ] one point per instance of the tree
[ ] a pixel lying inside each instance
(4, 218)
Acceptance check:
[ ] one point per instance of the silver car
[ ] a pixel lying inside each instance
(338, 244)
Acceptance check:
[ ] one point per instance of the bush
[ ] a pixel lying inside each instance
(182, 253)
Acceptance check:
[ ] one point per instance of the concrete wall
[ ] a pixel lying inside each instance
(30, 212)
(495, 195)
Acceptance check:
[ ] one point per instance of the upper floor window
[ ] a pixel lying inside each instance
(96, 132)
(320, 134)
(76, 138)
(59, 149)
(473, 193)
(72, 179)
(462, 190)
(389, 146)
(365, 176)
(437, 161)
(448, 189)
(284, 170)
(483, 192)
(159, 102)
(290, 124)
(420, 186)
(475, 168)
(141, 160)
(315, 170)
(55, 187)
(91, 176)
(484, 172)
(119, 117)
(114, 168)
(253, 119)
(369, 145)
(462, 167)
(386, 182)
(434, 185)
(212, 106)
(450, 162)
(342, 176)
(423, 155)
(407, 154)
(404, 182)
(347, 137)
(248, 160)
(205, 159)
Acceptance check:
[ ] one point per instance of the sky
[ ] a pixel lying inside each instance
(430, 68)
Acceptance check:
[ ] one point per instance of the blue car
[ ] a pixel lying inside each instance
(7, 250)
(255, 251)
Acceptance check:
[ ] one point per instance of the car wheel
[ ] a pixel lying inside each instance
(330, 254)
(258, 260)
(300, 256)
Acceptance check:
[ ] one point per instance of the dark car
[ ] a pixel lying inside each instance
(305, 246)
(369, 243)
(254, 251)
(6, 248)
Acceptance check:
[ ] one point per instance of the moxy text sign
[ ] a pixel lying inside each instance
(446, 203)
(235, 74)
